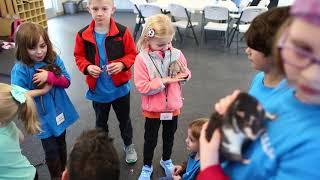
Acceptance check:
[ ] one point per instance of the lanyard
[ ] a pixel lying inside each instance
(154, 64)
(166, 89)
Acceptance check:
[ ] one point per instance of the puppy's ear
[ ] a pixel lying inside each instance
(240, 113)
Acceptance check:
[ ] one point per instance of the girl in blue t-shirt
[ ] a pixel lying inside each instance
(47, 87)
(15, 103)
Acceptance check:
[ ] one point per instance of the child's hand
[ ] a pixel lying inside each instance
(177, 170)
(40, 77)
(115, 67)
(94, 70)
(47, 87)
(176, 177)
(182, 75)
(222, 106)
(168, 80)
(209, 151)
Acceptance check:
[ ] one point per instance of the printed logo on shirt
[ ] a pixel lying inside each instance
(266, 146)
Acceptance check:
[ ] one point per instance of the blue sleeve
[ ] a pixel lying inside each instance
(20, 76)
(64, 72)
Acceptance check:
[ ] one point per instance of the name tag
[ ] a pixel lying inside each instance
(166, 116)
(60, 119)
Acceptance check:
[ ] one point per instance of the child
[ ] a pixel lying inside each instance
(15, 103)
(290, 147)
(55, 110)
(269, 83)
(104, 52)
(190, 169)
(161, 92)
(93, 156)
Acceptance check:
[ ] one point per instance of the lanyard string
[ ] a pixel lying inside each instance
(166, 89)
(154, 64)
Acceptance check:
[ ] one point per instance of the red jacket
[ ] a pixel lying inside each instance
(119, 45)
(213, 172)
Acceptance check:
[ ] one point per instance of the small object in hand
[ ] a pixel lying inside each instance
(242, 122)
(55, 69)
(175, 68)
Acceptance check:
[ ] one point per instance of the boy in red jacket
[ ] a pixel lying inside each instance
(104, 52)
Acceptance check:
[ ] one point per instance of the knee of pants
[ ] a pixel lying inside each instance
(51, 151)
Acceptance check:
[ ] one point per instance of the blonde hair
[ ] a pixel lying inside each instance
(196, 125)
(89, 1)
(9, 108)
(160, 24)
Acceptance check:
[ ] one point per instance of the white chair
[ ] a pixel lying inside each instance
(182, 19)
(243, 23)
(139, 18)
(216, 18)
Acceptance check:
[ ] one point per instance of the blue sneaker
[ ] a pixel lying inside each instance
(146, 173)
(167, 166)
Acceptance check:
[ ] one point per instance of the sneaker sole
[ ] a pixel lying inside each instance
(131, 161)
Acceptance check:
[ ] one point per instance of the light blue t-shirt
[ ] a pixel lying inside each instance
(13, 165)
(105, 90)
(290, 147)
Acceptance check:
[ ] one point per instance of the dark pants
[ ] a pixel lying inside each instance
(121, 107)
(151, 128)
(55, 150)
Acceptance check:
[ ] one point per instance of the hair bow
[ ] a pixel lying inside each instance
(151, 33)
(18, 93)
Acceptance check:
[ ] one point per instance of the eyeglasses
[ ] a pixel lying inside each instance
(300, 58)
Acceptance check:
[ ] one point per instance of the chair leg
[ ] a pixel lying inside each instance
(194, 35)
(180, 35)
(237, 42)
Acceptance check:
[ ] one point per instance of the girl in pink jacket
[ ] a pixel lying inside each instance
(159, 72)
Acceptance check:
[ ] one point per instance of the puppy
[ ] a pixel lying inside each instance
(55, 69)
(242, 122)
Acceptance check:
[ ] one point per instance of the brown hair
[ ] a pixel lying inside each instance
(275, 49)
(262, 30)
(27, 37)
(93, 156)
(196, 125)
(10, 108)
(162, 26)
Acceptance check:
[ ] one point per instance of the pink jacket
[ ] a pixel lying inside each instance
(148, 82)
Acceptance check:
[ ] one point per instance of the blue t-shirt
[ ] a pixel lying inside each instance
(193, 167)
(50, 105)
(105, 90)
(290, 147)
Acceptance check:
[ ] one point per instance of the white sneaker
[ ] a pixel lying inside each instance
(146, 173)
(167, 166)
(131, 154)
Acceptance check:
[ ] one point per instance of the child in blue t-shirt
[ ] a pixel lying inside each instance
(189, 170)
(55, 110)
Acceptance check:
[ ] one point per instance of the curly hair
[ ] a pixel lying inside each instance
(93, 157)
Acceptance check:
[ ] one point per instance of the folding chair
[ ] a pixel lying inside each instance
(215, 18)
(139, 19)
(243, 23)
(179, 12)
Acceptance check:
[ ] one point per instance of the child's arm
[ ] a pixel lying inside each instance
(64, 80)
(130, 51)
(40, 92)
(20, 134)
(80, 55)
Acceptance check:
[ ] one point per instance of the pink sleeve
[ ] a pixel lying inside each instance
(58, 81)
(184, 61)
(212, 172)
(142, 80)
